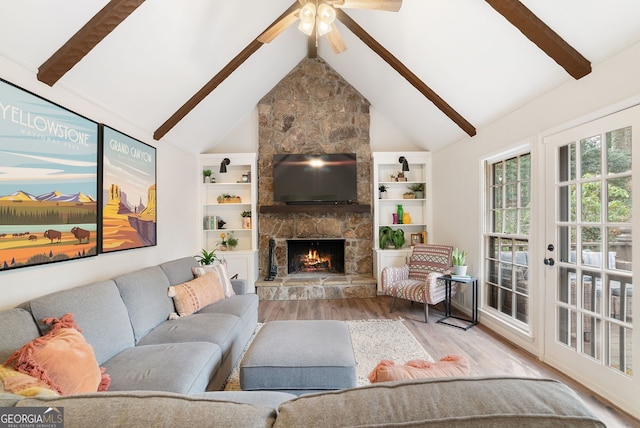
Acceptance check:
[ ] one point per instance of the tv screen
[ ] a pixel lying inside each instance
(329, 178)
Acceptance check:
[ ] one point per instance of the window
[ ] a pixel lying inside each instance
(508, 191)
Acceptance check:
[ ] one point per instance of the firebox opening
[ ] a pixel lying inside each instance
(315, 256)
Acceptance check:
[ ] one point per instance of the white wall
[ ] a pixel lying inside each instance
(458, 169)
(177, 201)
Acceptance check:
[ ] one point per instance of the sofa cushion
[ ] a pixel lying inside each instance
(17, 327)
(223, 275)
(244, 306)
(184, 368)
(144, 293)
(98, 310)
(499, 402)
(154, 409)
(179, 270)
(451, 365)
(62, 359)
(221, 329)
(191, 296)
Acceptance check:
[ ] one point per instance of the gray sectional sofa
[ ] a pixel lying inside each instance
(125, 320)
(167, 373)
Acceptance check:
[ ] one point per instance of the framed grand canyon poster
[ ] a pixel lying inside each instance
(48, 181)
(128, 192)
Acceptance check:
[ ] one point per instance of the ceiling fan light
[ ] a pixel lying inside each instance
(308, 13)
(326, 13)
(306, 27)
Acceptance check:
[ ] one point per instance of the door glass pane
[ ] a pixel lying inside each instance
(566, 285)
(591, 292)
(591, 156)
(591, 331)
(619, 151)
(567, 327)
(567, 162)
(619, 355)
(591, 201)
(525, 221)
(619, 200)
(620, 299)
(591, 246)
(619, 245)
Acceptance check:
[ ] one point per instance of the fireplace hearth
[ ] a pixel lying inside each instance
(309, 256)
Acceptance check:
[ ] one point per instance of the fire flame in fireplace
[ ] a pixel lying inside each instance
(313, 260)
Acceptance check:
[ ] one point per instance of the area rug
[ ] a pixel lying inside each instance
(373, 340)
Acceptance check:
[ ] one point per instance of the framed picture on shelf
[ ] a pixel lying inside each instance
(416, 238)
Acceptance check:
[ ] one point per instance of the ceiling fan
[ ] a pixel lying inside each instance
(317, 18)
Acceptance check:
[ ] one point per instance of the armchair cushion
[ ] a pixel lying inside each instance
(426, 259)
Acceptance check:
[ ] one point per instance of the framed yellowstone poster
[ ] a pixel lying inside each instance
(48, 181)
(129, 192)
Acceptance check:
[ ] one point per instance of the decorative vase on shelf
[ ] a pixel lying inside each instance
(406, 218)
(246, 222)
(400, 213)
(395, 218)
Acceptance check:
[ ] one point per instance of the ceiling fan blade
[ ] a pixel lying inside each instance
(336, 40)
(388, 5)
(276, 29)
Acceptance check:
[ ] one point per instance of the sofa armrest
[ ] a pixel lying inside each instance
(239, 286)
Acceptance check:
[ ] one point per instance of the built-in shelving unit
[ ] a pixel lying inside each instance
(386, 165)
(240, 181)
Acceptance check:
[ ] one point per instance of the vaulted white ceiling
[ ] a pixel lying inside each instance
(166, 50)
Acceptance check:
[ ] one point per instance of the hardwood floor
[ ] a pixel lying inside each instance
(489, 354)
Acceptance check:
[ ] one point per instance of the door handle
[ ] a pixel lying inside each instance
(549, 262)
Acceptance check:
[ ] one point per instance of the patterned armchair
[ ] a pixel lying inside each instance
(418, 281)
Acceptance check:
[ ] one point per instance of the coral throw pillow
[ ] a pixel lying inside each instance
(61, 359)
(191, 296)
(223, 276)
(451, 365)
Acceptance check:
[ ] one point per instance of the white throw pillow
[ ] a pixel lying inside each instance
(223, 276)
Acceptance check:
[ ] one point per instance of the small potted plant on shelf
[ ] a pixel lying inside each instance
(206, 174)
(383, 191)
(226, 198)
(246, 219)
(459, 258)
(232, 241)
(418, 190)
(389, 236)
(206, 257)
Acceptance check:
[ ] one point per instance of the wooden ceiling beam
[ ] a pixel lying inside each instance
(216, 80)
(543, 36)
(85, 39)
(402, 69)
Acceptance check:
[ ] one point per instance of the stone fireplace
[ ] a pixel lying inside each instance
(305, 256)
(313, 110)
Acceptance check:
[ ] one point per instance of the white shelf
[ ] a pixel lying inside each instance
(386, 164)
(243, 260)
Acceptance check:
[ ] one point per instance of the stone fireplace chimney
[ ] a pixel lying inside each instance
(314, 110)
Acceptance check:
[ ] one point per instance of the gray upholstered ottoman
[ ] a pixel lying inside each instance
(299, 357)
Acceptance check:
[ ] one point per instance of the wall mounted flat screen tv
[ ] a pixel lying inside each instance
(321, 178)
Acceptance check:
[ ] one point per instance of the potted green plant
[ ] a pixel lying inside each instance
(418, 190)
(383, 191)
(246, 219)
(206, 257)
(459, 259)
(389, 236)
(232, 241)
(206, 174)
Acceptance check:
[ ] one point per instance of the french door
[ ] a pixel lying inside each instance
(590, 230)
